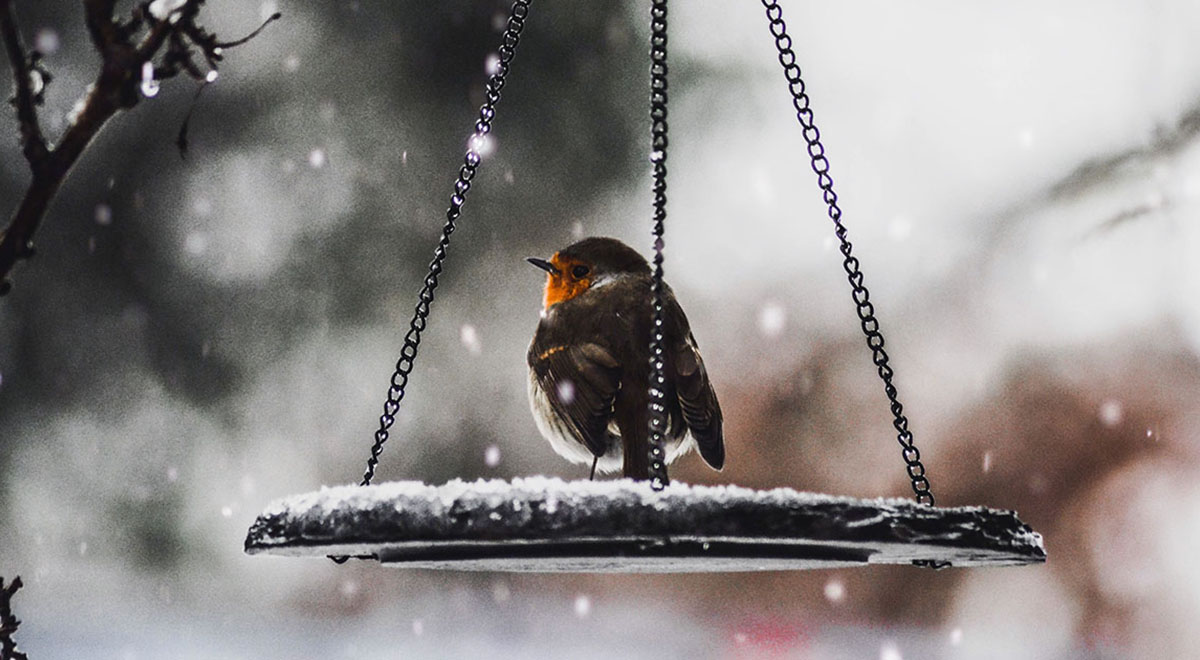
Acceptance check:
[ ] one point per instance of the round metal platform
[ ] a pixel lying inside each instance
(548, 525)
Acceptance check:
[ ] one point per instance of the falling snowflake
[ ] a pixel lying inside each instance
(492, 64)
(583, 606)
(987, 462)
(566, 392)
(103, 215)
(890, 651)
(227, 512)
(316, 158)
(956, 636)
(771, 319)
(1111, 413)
(481, 144)
(418, 627)
(172, 474)
(500, 591)
(195, 243)
(202, 207)
(469, 337)
(46, 41)
(835, 591)
(1038, 484)
(491, 456)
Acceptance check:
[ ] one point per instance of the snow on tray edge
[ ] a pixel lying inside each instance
(537, 488)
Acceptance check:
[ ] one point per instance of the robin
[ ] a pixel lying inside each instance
(589, 364)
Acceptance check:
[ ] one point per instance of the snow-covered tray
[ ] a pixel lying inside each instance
(550, 525)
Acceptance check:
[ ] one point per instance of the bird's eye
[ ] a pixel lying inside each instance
(580, 271)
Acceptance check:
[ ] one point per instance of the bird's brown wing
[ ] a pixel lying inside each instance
(698, 401)
(580, 382)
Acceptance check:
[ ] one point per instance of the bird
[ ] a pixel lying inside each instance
(589, 364)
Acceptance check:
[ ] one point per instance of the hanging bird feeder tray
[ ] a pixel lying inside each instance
(549, 525)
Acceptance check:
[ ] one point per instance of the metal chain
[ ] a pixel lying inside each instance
(483, 126)
(866, 311)
(658, 157)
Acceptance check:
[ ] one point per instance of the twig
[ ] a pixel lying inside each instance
(8, 622)
(246, 39)
(33, 144)
(125, 64)
(98, 15)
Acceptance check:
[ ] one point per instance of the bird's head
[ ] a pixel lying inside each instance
(590, 263)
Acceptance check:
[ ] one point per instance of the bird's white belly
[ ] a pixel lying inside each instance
(564, 443)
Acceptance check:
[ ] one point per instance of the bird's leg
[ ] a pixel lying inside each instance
(592, 476)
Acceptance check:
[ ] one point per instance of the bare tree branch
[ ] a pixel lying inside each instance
(8, 622)
(33, 144)
(98, 15)
(163, 52)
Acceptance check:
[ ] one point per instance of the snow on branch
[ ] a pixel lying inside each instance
(160, 40)
(26, 100)
(8, 622)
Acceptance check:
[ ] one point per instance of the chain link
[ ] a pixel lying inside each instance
(658, 158)
(862, 297)
(483, 127)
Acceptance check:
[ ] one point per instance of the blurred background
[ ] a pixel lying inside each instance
(200, 336)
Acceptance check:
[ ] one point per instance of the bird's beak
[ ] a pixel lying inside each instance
(544, 265)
